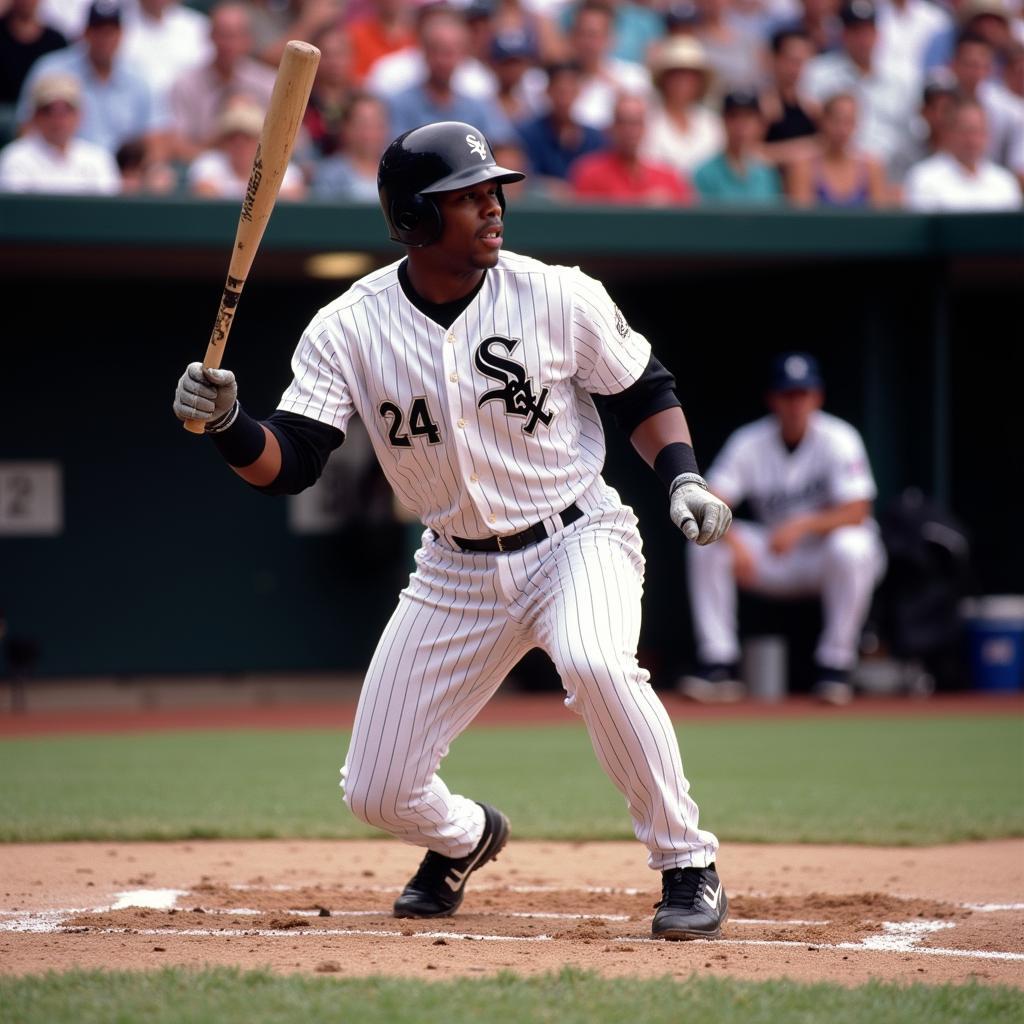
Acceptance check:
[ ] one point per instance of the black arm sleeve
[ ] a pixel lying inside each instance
(653, 391)
(305, 446)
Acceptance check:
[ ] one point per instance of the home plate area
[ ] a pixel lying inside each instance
(294, 918)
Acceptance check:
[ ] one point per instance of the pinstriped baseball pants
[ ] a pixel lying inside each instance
(461, 624)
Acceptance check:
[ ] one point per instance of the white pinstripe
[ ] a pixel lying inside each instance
(466, 618)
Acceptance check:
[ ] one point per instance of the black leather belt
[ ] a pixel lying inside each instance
(515, 541)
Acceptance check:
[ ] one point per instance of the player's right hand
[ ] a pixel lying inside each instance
(205, 394)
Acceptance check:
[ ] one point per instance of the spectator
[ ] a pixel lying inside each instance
(513, 16)
(139, 176)
(556, 139)
(636, 27)
(737, 174)
(736, 58)
(806, 476)
(386, 28)
(351, 174)
(404, 69)
(1013, 73)
(791, 119)
(332, 93)
(819, 21)
(513, 57)
(306, 19)
(886, 96)
(682, 132)
(199, 95)
(927, 132)
(838, 175)
(223, 171)
(993, 20)
(960, 178)
(620, 173)
(972, 68)
(117, 104)
(905, 30)
(164, 39)
(48, 158)
(604, 76)
(444, 42)
(23, 40)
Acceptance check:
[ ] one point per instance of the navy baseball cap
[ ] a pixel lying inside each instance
(795, 371)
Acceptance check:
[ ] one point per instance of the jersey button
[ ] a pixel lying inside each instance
(461, 424)
(492, 518)
(453, 377)
(473, 478)
(451, 338)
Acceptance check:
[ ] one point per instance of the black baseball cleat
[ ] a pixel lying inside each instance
(437, 888)
(693, 904)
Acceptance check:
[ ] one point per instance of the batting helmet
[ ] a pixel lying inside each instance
(437, 157)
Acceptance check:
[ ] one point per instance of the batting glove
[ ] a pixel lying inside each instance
(696, 511)
(207, 395)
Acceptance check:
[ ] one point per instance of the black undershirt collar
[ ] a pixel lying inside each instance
(444, 313)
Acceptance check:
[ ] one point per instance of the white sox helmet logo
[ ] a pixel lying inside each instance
(477, 146)
(516, 389)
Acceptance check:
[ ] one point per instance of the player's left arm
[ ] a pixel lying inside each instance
(649, 412)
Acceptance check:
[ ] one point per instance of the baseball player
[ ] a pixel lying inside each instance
(806, 476)
(473, 370)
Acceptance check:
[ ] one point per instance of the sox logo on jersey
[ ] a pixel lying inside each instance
(516, 389)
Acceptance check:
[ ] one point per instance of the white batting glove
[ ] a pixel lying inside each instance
(207, 395)
(696, 511)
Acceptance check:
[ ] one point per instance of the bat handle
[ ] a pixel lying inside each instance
(218, 338)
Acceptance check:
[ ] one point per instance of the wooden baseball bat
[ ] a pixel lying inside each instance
(280, 126)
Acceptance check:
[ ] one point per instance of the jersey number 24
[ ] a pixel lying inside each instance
(420, 423)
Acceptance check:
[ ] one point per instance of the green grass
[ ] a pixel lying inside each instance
(899, 781)
(223, 995)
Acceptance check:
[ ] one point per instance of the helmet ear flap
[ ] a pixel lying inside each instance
(416, 219)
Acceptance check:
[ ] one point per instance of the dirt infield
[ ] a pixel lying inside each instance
(812, 913)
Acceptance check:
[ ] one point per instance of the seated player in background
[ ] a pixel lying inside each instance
(48, 157)
(806, 476)
(223, 171)
(738, 174)
(620, 174)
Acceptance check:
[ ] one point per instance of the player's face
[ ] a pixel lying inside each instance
(793, 410)
(471, 237)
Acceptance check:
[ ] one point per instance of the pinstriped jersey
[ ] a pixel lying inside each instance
(486, 426)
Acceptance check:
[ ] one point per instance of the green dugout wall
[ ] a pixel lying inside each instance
(127, 547)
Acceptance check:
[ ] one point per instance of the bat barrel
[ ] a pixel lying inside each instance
(280, 126)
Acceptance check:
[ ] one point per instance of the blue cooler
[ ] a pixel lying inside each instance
(995, 640)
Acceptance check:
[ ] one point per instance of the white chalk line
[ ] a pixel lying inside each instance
(896, 937)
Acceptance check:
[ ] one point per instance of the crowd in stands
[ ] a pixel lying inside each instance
(815, 103)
